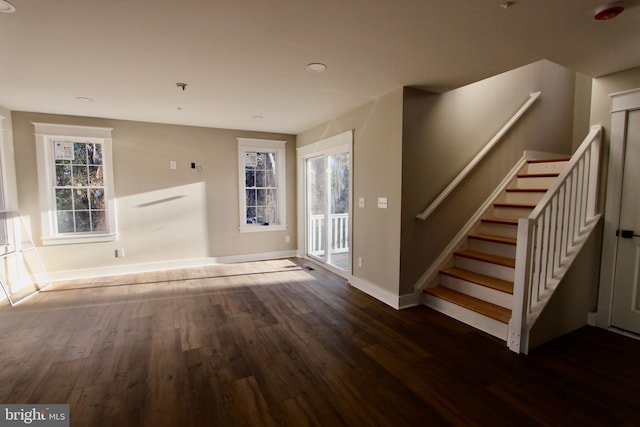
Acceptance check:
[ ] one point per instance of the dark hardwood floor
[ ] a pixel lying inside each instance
(273, 343)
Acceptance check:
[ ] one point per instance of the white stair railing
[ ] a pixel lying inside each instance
(476, 160)
(551, 237)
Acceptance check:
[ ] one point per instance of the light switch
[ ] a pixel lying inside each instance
(361, 202)
(172, 164)
(382, 202)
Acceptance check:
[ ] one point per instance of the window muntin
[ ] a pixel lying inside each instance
(261, 188)
(75, 177)
(79, 187)
(262, 173)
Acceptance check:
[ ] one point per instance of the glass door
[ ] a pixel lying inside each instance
(328, 179)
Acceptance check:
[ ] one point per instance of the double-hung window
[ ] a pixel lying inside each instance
(75, 177)
(261, 165)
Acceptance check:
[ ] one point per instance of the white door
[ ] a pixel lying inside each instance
(626, 289)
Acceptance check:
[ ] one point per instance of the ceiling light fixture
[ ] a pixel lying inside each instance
(506, 5)
(608, 11)
(6, 7)
(84, 99)
(316, 67)
(257, 117)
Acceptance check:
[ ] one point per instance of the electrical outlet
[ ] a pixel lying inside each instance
(287, 239)
(361, 202)
(172, 164)
(382, 202)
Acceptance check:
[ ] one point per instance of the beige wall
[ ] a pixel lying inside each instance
(162, 214)
(442, 133)
(377, 172)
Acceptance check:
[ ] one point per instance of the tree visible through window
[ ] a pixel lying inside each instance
(262, 182)
(79, 187)
(75, 177)
(261, 188)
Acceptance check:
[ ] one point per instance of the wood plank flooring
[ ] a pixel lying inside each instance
(275, 344)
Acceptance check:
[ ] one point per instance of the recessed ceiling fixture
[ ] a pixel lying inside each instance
(6, 7)
(316, 67)
(84, 99)
(608, 11)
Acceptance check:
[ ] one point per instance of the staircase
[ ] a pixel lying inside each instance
(476, 287)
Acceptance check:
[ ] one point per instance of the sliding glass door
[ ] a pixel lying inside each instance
(328, 196)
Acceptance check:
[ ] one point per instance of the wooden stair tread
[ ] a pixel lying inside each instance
(514, 205)
(496, 220)
(493, 311)
(493, 259)
(556, 159)
(493, 238)
(480, 279)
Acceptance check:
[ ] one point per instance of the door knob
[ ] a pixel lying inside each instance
(626, 234)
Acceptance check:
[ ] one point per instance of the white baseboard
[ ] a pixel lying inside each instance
(375, 291)
(409, 300)
(255, 257)
(164, 265)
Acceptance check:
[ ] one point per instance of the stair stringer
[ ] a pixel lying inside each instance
(430, 277)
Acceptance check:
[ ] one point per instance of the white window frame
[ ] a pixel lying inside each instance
(270, 146)
(46, 134)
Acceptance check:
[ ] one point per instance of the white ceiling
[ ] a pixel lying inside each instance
(245, 58)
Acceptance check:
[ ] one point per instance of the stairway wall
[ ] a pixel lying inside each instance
(442, 133)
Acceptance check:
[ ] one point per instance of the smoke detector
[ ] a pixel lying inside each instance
(608, 11)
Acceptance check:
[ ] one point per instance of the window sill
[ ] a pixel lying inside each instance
(83, 238)
(256, 228)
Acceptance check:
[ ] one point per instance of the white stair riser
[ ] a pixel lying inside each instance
(523, 197)
(493, 248)
(477, 320)
(511, 213)
(484, 293)
(535, 182)
(546, 167)
(486, 268)
(497, 229)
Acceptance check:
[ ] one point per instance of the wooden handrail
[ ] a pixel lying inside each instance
(474, 162)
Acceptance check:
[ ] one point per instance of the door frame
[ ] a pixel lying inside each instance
(623, 103)
(322, 147)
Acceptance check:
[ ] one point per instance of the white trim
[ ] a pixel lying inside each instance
(409, 300)
(623, 102)
(262, 256)
(375, 291)
(332, 145)
(117, 270)
(45, 135)
(265, 145)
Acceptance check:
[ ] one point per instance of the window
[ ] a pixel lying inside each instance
(261, 165)
(76, 183)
